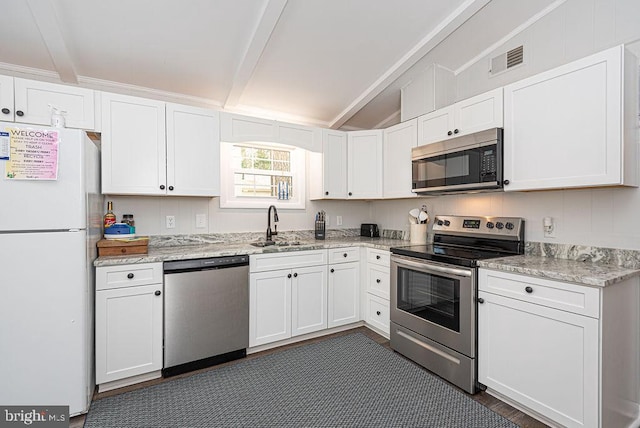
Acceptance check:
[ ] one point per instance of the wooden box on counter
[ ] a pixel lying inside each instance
(124, 246)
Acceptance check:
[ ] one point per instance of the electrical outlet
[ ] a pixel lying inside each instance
(201, 221)
(549, 227)
(171, 222)
(339, 220)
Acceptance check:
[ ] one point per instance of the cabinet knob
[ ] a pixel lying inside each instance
(344, 255)
(350, 194)
(505, 182)
(377, 257)
(289, 276)
(378, 280)
(158, 292)
(456, 131)
(6, 110)
(333, 270)
(326, 193)
(295, 275)
(480, 300)
(162, 187)
(377, 312)
(170, 187)
(19, 113)
(449, 133)
(130, 275)
(528, 289)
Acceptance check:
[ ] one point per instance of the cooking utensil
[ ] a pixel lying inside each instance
(414, 213)
(423, 216)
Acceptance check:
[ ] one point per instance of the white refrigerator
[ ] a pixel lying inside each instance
(48, 235)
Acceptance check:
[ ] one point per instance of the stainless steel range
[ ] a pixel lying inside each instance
(434, 289)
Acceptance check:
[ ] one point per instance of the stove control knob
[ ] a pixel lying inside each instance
(499, 225)
(489, 225)
(440, 222)
(447, 223)
(509, 225)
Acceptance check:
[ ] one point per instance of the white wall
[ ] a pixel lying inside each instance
(600, 217)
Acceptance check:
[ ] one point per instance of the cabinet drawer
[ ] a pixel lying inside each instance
(275, 261)
(378, 280)
(554, 294)
(108, 277)
(378, 312)
(344, 255)
(378, 257)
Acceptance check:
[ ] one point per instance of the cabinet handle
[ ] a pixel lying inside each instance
(455, 131)
(130, 275)
(19, 113)
(449, 133)
(295, 275)
(480, 300)
(162, 187)
(6, 110)
(158, 292)
(377, 312)
(170, 187)
(505, 182)
(332, 270)
(378, 280)
(289, 276)
(528, 289)
(326, 193)
(344, 255)
(377, 257)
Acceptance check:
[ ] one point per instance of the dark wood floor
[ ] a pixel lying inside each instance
(483, 398)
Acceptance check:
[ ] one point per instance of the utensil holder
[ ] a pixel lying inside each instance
(418, 233)
(320, 229)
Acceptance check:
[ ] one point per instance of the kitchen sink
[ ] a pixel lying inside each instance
(276, 243)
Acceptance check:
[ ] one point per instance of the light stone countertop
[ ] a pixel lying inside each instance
(185, 252)
(579, 272)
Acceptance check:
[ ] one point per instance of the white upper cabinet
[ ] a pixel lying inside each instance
(364, 167)
(432, 89)
(305, 137)
(566, 127)
(27, 101)
(235, 128)
(334, 165)
(484, 111)
(193, 151)
(397, 144)
(6, 98)
(145, 152)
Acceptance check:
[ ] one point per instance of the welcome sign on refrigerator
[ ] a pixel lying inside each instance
(50, 212)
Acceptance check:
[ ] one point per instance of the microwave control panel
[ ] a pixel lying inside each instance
(488, 165)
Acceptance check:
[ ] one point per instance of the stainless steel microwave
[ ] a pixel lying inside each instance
(468, 163)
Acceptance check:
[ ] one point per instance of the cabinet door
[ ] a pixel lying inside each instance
(542, 358)
(364, 167)
(478, 113)
(397, 145)
(133, 145)
(563, 127)
(308, 300)
(6, 98)
(344, 294)
(193, 151)
(334, 164)
(269, 306)
(435, 126)
(128, 332)
(235, 128)
(32, 98)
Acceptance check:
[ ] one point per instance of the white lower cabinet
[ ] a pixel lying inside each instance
(377, 291)
(269, 307)
(128, 322)
(309, 300)
(554, 348)
(344, 293)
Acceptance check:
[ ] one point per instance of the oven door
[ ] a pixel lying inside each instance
(436, 301)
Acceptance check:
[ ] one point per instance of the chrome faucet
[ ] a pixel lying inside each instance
(275, 220)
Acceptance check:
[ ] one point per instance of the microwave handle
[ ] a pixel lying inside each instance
(434, 268)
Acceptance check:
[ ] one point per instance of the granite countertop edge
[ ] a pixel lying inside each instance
(580, 272)
(185, 252)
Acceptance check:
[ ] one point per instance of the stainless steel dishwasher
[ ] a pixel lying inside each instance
(206, 312)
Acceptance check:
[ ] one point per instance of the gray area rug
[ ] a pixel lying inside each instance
(346, 381)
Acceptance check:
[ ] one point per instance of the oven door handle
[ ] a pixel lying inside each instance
(434, 268)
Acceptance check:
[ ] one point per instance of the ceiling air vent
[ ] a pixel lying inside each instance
(507, 60)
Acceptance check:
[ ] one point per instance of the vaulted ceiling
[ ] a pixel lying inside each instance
(331, 63)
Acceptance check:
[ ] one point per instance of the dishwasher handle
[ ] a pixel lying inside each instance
(223, 262)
